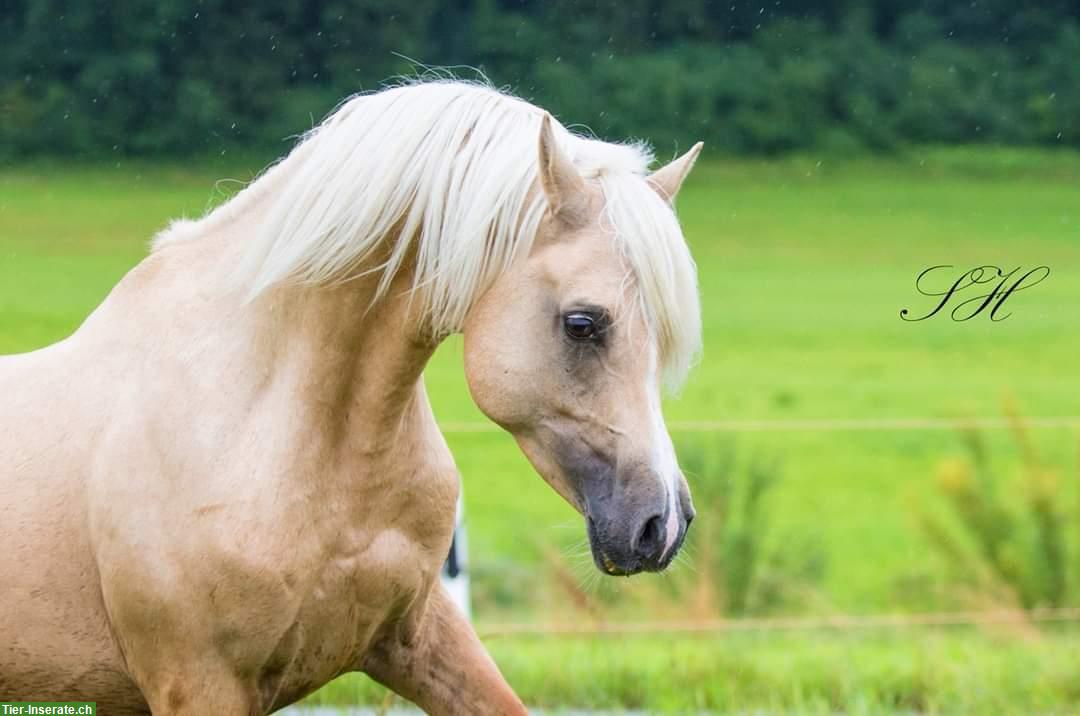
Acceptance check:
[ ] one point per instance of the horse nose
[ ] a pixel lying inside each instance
(649, 543)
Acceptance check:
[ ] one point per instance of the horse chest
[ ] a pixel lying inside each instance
(368, 585)
(373, 575)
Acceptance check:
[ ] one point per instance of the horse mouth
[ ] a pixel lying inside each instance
(603, 560)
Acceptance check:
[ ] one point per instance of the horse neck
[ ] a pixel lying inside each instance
(352, 365)
(345, 361)
(351, 356)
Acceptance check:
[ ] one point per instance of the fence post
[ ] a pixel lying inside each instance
(455, 571)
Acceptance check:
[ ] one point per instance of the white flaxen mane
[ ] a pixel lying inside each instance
(451, 169)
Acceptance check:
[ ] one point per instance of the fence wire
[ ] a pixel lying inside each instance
(843, 622)
(826, 424)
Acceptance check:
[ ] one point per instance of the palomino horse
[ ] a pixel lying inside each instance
(228, 487)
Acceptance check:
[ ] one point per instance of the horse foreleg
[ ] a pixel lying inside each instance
(444, 669)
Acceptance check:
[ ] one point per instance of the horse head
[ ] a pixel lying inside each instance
(569, 347)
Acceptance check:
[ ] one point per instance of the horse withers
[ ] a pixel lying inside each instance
(228, 487)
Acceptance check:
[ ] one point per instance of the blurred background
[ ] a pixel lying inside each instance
(887, 510)
(750, 78)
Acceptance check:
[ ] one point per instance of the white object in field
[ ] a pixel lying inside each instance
(455, 571)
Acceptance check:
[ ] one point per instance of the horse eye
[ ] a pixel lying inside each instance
(580, 326)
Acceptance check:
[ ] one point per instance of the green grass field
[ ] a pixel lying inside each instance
(804, 265)
(882, 672)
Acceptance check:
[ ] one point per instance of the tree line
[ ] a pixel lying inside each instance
(765, 77)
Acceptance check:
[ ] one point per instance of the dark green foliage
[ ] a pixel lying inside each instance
(838, 75)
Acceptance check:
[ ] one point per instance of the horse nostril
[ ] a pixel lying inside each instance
(650, 539)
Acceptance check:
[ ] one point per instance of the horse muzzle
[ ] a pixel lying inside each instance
(623, 545)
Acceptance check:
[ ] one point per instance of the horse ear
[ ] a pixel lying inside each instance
(667, 179)
(564, 187)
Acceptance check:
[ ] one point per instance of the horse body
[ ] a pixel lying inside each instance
(177, 431)
(218, 502)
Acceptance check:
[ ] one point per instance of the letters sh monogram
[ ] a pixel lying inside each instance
(1004, 287)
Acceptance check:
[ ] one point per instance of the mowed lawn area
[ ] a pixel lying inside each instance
(805, 265)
